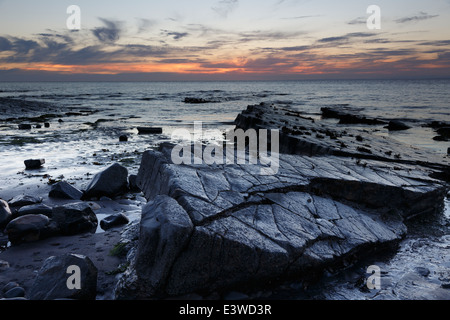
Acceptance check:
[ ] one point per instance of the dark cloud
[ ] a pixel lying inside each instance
(5, 44)
(437, 43)
(175, 35)
(359, 20)
(421, 16)
(110, 32)
(145, 25)
(268, 35)
(224, 7)
(300, 17)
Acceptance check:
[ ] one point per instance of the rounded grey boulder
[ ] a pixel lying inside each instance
(16, 292)
(111, 182)
(70, 276)
(114, 221)
(74, 218)
(35, 209)
(27, 228)
(24, 200)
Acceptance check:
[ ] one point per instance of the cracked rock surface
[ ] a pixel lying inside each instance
(213, 227)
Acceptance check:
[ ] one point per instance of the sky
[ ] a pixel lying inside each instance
(169, 40)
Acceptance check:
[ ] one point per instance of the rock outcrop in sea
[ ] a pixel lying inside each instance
(339, 195)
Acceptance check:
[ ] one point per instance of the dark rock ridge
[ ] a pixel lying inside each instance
(348, 116)
(214, 227)
(304, 136)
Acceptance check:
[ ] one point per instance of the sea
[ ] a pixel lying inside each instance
(87, 118)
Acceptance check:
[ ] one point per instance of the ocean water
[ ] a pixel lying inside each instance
(124, 106)
(93, 116)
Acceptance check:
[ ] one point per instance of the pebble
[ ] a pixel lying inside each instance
(17, 292)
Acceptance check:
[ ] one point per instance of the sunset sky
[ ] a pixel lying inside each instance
(223, 40)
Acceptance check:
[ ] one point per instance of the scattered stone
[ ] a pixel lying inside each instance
(123, 138)
(5, 213)
(4, 265)
(424, 272)
(444, 131)
(396, 125)
(17, 292)
(114, 220)
(105, 198)
(441, 138)
(348, 116)
(111, 182)
(24, 200)
(34, 163)
(132, 179)
(24, 126)
(75, 218)
(28, 228)
(150, 130)
(198, 100)
(9, 286)
(35, 209)
(64, 190)
(53, 278)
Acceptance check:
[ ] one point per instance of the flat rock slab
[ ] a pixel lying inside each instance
(210, 227)
(306, 136)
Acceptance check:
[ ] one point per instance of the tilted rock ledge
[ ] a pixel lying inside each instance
(214, 227)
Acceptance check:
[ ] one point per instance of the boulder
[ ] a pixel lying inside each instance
(123, 138)
(445, 132)
(9, 286)
(28, 228)
(24, 126)
(132, 183)
(214, 227)
(32, 164)
(63, 190)
(5, 213)
(396, 125)
(150, 130)
(75, 218)
(16, 292)
(58, 279)
(39, 208)
(114, 220)
(111, 182)
(24, 200)
(47, 125)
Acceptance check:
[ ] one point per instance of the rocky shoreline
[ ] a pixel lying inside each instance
(342, 194)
